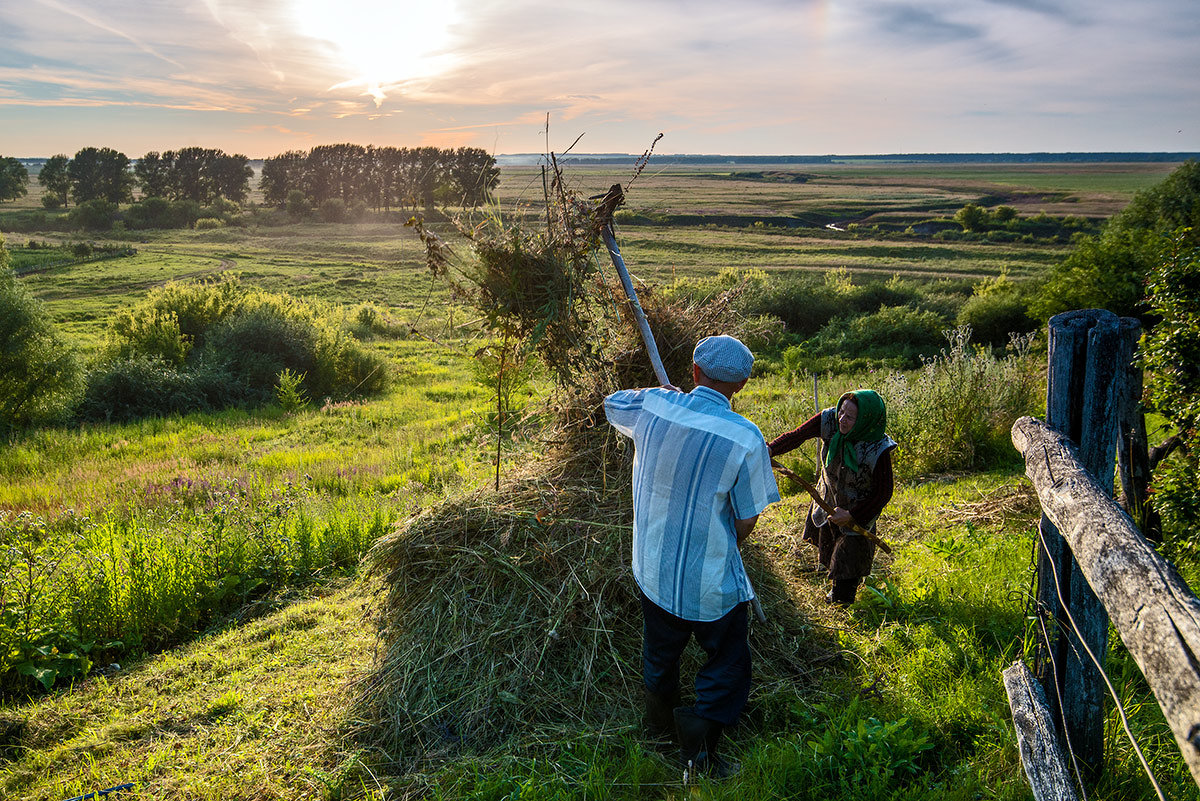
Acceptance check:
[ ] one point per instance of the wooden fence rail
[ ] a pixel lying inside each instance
(1150, 605)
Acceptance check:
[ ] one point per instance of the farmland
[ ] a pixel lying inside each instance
(255, 698)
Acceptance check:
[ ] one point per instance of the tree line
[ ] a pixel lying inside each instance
(380, 177)
(375, 177)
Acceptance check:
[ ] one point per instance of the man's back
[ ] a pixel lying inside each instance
(698, 466)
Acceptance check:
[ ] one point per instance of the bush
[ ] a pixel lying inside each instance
(298, 206)
(140, 386)
(50, 202)
(150, 333)
(40, 376)
(209, 223)
(257, 345)
(996, 310)
(93, 215)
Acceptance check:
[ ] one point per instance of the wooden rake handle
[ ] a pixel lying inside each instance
(819, 501)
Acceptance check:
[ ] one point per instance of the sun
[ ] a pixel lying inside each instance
(381, 44)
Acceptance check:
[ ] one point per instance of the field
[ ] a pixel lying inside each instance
(253, 695)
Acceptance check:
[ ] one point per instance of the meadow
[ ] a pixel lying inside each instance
(236, 677)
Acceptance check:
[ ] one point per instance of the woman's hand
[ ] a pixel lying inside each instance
(841, 518)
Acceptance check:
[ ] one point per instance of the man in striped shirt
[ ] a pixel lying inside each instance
(701, 477)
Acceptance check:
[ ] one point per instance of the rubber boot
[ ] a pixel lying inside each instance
(660, 719)
(699, 742)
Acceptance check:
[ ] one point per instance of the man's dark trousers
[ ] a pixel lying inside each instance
(722, 683)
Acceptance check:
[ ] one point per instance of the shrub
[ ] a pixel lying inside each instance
(298, 206)
(40, 376)
(209, 223)
(51, 202)
(139, 386)
(149, 333)
(257, 344)
(996, 310)
(333, 210)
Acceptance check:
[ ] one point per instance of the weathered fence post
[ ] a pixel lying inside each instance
(1091, 353)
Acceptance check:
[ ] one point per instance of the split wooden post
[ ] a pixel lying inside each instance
(1037, 737)
(1155, 613)
(1090, 356)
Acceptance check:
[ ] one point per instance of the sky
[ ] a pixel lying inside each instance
(752, 77)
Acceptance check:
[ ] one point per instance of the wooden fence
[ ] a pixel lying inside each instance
(1094, 564)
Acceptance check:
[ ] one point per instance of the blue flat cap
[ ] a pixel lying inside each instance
(723, 358)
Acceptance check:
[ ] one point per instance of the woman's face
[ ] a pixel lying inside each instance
(847, 416)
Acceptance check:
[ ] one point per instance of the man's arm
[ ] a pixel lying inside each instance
(744, 527)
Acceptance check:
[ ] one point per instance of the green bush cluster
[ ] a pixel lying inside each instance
(209, 345)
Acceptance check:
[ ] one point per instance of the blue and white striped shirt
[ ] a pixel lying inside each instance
(697, 466)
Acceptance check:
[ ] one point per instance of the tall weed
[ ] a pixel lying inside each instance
(84, 589)
(956, 412)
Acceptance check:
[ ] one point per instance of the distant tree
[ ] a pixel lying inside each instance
(428, 173)
(153, 172)
(100, 173)
(475, 174)
(230, 177)
(297, 204)
(972, 217)
(14, 179)
(1109, 271)
(192, 173)
(54, 179)
(40, 377)
(282, 175)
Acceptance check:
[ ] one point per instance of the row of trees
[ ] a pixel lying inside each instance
(378, 177)
(381, 177)
(193, 173)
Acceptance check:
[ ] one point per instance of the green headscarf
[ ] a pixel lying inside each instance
(872, 420)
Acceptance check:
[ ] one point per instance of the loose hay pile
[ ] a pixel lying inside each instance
(510, 618)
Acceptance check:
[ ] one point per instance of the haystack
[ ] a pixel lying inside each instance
(509, 618)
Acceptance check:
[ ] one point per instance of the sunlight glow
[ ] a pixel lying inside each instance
(382, 44)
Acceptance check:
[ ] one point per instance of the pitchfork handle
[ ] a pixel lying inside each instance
(660, 372)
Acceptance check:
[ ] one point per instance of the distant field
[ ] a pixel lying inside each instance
(774, 220)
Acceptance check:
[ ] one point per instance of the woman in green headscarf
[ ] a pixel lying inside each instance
(856, 479)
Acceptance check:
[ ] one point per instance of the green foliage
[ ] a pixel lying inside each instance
(895, 335)
(1172, 359)
(55, 181)
(135, 386)
(333, 210)
(100, 174)
(209, 223)
(40, 376)
(956, 412)
(971, 217)
(151, 333)
(864, 753)
(297, 204)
